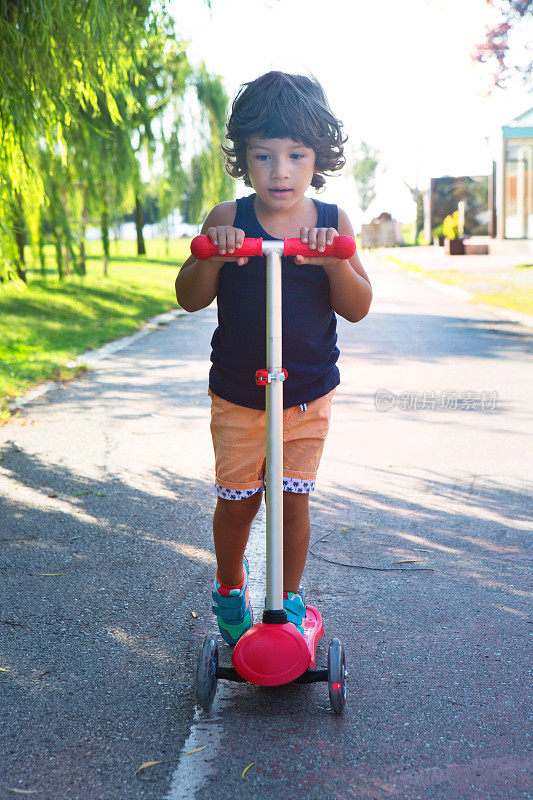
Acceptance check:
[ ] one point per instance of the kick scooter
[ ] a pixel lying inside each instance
(274, 652)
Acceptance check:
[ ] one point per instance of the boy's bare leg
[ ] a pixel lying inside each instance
(296, 533)
(231, 528)
(232, 522)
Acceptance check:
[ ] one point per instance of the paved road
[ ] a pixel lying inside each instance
(105, 486)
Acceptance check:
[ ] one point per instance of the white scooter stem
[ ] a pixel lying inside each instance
(274, 431)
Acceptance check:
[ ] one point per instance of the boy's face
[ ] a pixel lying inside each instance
(280, 170)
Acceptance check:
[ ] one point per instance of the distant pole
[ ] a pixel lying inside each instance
(492, 202)
(461, 209)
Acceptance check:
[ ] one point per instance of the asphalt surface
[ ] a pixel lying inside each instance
(423, 497)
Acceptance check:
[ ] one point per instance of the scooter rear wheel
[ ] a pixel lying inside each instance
(336, 676)
(206, 680)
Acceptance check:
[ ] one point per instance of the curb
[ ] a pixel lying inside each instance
(506, 314)
(94, 356)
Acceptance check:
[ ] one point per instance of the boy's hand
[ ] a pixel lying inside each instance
(228, 240)
(317, 238)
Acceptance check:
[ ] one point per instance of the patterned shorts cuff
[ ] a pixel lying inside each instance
(298, 485)
(236, 494)
(295, 485)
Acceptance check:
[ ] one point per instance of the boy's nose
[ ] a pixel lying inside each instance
(280, 168)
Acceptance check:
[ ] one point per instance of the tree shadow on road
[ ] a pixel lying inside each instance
(481, 521)
(97, 636)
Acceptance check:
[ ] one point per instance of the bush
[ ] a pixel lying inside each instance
(450, 226)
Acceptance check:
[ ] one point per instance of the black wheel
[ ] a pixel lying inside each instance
(336, 676)
(206, 681)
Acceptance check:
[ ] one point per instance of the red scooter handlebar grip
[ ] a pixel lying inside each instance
(343, 247)
(202, 247)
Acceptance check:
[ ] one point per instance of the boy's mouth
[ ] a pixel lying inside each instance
(280, 192)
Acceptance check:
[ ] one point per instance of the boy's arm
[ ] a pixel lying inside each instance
(349, 285)
(197, 281)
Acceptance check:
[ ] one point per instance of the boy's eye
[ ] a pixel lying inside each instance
(262, 156)
(297, 156)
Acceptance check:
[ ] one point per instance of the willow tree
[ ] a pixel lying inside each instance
(56, 58)
(170, 184)
(169, 82)
(84, 88)
(160, 81)
(209, 182)
(106, 167)
(364, 174)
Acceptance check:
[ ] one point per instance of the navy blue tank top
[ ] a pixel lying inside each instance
(238, 345)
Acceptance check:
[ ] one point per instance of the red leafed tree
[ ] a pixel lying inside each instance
(494, 50)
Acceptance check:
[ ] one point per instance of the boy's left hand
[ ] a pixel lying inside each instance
(316, 238)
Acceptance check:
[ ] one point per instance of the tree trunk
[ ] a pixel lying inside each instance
(19, 229)
(139, 222)
(59, 254)
(105, 232)
(21, 272)
(40, 244)
(66, 232)
(55, 224)
(84, 217)
(419, 225)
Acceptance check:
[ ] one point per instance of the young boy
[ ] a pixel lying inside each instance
(284, 139)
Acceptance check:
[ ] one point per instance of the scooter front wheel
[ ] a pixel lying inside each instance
(206, 680)
(336, 676)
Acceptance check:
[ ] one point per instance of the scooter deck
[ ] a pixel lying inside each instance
(313, 632)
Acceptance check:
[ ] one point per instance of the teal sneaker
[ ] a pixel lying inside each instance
(295, 608)
(232, 609)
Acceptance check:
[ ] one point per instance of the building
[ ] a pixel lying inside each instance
(383, 231)
(443, 197)
(511, 196)
(508, 214)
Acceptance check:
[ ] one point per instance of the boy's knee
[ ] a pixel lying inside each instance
(295, 504)
(240, 511)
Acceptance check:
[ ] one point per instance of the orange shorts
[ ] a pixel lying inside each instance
(240, 446)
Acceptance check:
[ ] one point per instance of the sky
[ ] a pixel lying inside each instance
(398, 75)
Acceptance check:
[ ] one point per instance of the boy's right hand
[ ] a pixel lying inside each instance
(228, 240)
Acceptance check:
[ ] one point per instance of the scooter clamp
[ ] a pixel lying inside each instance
(263, 376)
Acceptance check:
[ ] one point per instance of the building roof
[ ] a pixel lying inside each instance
(519, 126)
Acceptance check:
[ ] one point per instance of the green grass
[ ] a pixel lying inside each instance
(514, 298)
(46, 323)
(509, 288)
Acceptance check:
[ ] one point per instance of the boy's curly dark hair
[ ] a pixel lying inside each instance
(282, 106)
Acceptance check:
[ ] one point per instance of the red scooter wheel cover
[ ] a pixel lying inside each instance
(270, 655)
